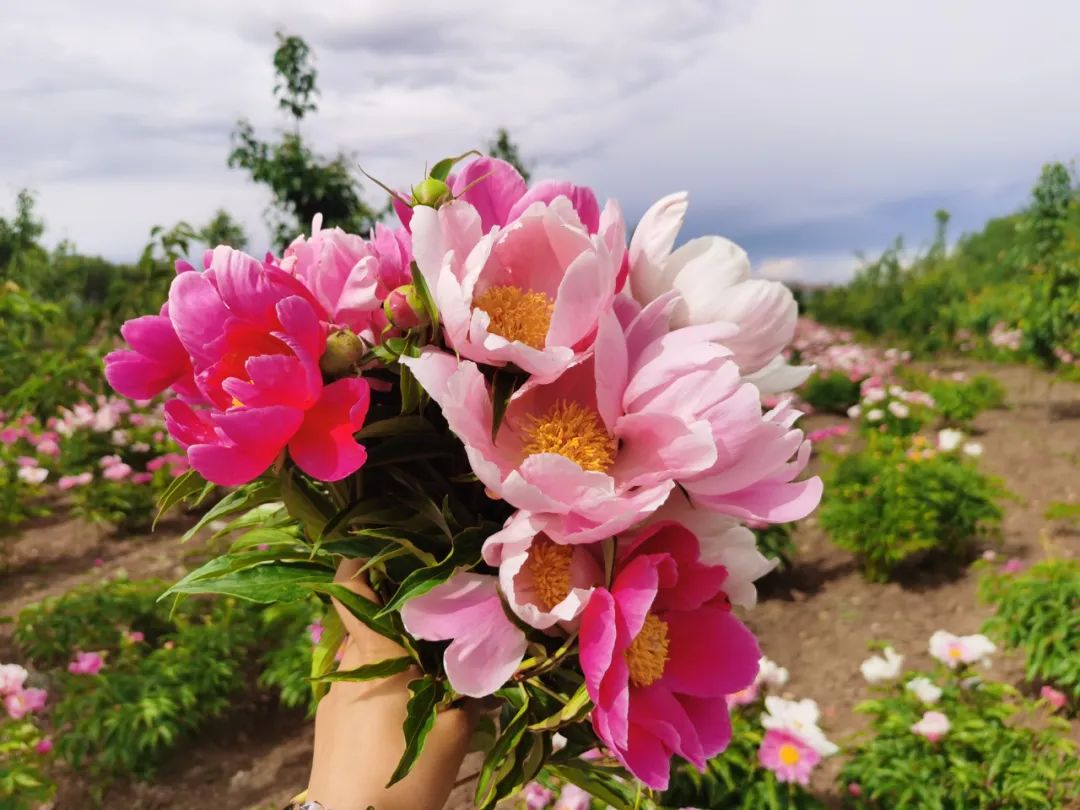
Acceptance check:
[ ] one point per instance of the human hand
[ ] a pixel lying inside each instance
(358, 738)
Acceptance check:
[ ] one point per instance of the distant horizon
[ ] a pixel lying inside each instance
(806, 135)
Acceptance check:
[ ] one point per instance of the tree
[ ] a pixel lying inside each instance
(21, 235)
(302, 182)
(502, 147)
(222, 229)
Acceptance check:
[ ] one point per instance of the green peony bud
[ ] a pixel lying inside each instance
(431, 192)
(343, 352)
(404, 308)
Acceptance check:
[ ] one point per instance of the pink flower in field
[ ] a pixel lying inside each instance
(1012, 566)
(744, 697)
(602, 446)
(86, 663)
(25, 701)
(26, 461)
(828, 433)
(117, 472)
(711, 277)
(854, 789)
(255, 336)
(98, 562)
(139, 478)
(536, 796)
(135, 636)
(529, 295)
(32, 475)
(315, 631)
(10, 435)
(110, 461)
(956, 650)
(12, 678)
(44, 746)
(571, 797)
(788, 756)
(67, 482)
(661, 651)
(1053, 697)
(932, 725)
(486, 646)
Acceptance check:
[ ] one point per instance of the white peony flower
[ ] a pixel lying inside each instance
(924, 689)
(954, 650)
(933, 726)
(771, 674)
(12, 678)
(800, 717)
(32, 475)
(874, 395)
(899, 410)
(949, 439)
(877, 668)
(973, 449)
(854, 412)
(876, 415)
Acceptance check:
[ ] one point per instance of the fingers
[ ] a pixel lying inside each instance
(365, 645)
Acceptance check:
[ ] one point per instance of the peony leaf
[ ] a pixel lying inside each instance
(427, 694)
(370, 672)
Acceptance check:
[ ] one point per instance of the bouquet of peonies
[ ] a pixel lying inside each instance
(542, 442)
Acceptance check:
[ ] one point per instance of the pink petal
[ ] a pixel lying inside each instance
(496, 186)
(710, 653)
(324, 447)
(546, 191)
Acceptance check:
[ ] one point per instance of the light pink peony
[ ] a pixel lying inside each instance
(86, 663)
(117, 472)
(572, 797)
(788, 756)
(530, 294)
(25, 701)
(1054, 697)
(12, 678)
(486, 647)
(954, 651)
(711, 276)
(602, 446)
(255, 336)
(536, 796)
(660, 652)
(932, 725)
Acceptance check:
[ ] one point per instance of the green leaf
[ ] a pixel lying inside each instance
(304, 502)
(370, 672)
(181, 488)
(498, 763)
(250, 495)
(264, 583)
(395, 426)
(427, 694)
(410, 391)
(503, 385)
(322, 657)
(464, 554)
(598, 782)
(574, 711)
(441, 170)
(362, 608)
(423, 292)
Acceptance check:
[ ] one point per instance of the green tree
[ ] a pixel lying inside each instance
(222, 229)
(20, 236)
(501, 146)
(302, 182)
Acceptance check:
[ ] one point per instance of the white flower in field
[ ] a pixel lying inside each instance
(874, 395)
(924, 689)
(876, 415)
(32, 475)
(854, 412)
(140, 447)
(771, 674)
(120, 437)
(973, 449)
(899, 410)
(933, 726)
(799, 717)
(877, 668)
(954, 650)
(558, 742)
(949, 439)
(12, 678)
(896, 390)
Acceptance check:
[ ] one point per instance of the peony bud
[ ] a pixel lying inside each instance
(404, 308)
(343, 351)
(431, 192)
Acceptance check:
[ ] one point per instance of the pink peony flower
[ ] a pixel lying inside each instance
(157, 359)
(1012, 566)
(1054, 697)
(602, 446)
(140, 478)
(486, 647)
(12, 678)
(44, 746)
(255, 336)
(315, 631)
(48, 447)
(86, 663)
(932, 725)
(571, 797)
(956, 650)
(711, 276)
(854, 789)
(67, 482)
(788, 756)
(32, 475)
(10, 435)
(529, 295)
(25, 701)
(536, 796)
(660, 652)
(744, 697)
(136, 636)
(117, 472)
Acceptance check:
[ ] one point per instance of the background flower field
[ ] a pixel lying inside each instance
(946, 418)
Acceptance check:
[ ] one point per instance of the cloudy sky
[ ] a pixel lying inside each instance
(804, 130)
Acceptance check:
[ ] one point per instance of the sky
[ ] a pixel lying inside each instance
(805, 131)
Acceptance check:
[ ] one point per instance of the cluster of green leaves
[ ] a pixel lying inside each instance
(777, 541)
(1037, 612)
(191, 665)
(834, 392)
(23, 782)
(891, 504)
(1021, 270)
(1000, 751)
(958, 402)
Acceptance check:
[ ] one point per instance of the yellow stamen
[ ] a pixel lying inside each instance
(572, 431)
(789, 754)
(549, 566)
(237, 403)
(648, 653)
(516, 314)
(955, 652)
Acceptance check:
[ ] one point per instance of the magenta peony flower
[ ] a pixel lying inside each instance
(86, 663)
(157, 359)
(1053, 697)
(486, 647)
(67, 482)
(661, 651)
(530, 294)
(25, 701)
(44, 746)
(788, 756)
(254, 337)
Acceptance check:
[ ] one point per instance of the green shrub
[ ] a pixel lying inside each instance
(834, 392)
(23, 783)
(959, 402)
(997, 753)
(889, 505)
(776, 541)
(1038, 612)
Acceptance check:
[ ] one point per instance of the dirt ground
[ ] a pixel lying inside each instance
(817, 619)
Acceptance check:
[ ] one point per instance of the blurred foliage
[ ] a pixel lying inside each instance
(1022, 271)
(831, 392)
(503, 147)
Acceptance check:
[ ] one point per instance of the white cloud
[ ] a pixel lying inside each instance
(806, 130)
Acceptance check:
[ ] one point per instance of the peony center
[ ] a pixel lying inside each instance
(549, 566)
(648, 652)
(574, 432)
(955, 652)
(517, 314)
(789, 754)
